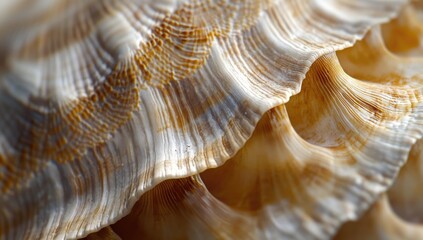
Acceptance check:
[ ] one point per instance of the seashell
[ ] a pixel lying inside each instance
(309, 167)
(398, 214)
(305, 170)
(104, 101)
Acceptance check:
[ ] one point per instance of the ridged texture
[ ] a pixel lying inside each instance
(308, 168)
(101, 101)
(324, 161)
(398, 214)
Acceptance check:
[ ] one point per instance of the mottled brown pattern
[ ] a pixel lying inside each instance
(181, 43)
(66, 132)
(176, 48)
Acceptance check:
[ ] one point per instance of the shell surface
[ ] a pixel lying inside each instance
(102, 101)
(398, 214)
(288, 180)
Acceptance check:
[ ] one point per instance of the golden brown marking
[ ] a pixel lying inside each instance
(178, 46)
(66, 133)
